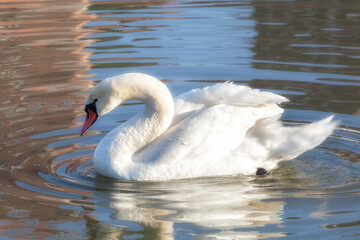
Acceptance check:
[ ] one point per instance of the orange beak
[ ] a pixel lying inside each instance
(90, 119)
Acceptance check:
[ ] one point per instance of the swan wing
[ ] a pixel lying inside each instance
(199, 144)
(226, 93)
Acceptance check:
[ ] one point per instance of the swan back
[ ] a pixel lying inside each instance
(226, 93)
(230, 94)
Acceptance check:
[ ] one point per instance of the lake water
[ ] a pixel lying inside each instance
(54, 52)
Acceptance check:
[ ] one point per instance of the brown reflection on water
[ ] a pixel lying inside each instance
(42, 66)
(42, 71)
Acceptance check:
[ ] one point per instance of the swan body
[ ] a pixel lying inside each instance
(223, 129)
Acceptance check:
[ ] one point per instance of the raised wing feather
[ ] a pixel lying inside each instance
(222, 93)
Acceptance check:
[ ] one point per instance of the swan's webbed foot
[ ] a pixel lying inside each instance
(261, 171)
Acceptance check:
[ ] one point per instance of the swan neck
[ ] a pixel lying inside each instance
(154, 94)
(123, 144)
(158, 113)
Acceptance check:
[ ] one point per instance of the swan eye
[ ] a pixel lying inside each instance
(91, 106)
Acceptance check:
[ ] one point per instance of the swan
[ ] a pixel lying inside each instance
(223, 129)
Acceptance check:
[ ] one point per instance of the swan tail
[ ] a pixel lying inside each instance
(269, 142)
(296, 140)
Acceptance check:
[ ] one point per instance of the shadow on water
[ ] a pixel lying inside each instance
(306, 50)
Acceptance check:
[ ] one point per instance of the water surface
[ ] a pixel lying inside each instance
(53, 53)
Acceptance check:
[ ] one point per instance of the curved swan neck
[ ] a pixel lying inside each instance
(125, 141)
(152, 92)
(118, 148)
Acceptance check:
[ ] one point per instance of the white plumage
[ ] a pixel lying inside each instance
(223, 129)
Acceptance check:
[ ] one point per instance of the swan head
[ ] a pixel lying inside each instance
(102, 99)
(112, 91)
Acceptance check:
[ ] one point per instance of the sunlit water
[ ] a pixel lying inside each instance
(53, 53)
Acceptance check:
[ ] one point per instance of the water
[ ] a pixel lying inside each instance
(53, 53)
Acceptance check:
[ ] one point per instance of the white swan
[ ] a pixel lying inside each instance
(223, 129)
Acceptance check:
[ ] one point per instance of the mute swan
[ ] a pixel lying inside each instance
(223, 129)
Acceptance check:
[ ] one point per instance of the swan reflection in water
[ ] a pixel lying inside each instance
(215, 207)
